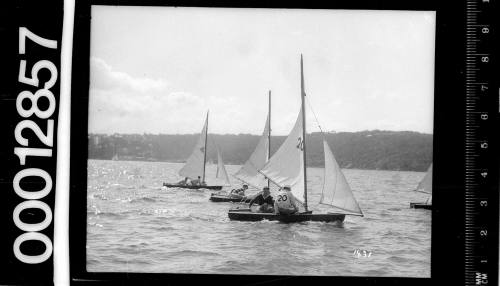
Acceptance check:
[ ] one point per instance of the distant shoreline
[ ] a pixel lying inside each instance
(317, 167)
(251, 134)
(367, 150)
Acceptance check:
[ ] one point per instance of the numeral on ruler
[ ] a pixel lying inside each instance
(477, 142)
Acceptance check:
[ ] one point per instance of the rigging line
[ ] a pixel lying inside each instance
(272, 181)
(253, 166)
(324, 138)
(255, 187)
(315, 117)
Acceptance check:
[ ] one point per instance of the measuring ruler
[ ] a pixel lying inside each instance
(480, 115)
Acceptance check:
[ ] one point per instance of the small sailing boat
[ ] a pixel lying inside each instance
(425, 186)
(249, 172)
(288, 167)
(195, 166)
(115, 151)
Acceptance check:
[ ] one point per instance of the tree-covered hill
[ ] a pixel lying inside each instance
(383, 150)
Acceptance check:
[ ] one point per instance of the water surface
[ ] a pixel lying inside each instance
(133, 225)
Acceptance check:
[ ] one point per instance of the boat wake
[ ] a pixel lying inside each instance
(193, 253)
(143, 200)
(98, 196)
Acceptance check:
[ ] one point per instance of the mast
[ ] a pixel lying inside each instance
(269, 135)
(205, 149)
(303, 94)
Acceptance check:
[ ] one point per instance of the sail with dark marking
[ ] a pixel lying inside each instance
(288, 167)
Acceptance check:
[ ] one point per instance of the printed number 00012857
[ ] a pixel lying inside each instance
(33, 198)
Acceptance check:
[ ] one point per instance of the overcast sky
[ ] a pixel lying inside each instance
(159, 69)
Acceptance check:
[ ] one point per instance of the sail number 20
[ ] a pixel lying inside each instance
(28, 105)
(282, 198)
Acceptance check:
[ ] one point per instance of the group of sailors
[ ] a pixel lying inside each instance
(195, 182)
(239, 192)
(285, 202)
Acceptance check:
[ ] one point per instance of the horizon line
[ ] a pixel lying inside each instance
(242, 133)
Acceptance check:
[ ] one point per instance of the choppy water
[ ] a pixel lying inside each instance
(134, 225)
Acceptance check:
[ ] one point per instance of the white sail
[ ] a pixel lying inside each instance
(336, 191)
(425, 186)
(195, 164)
(249, 172)
(286, 166)
(429, 200)
(221, 170)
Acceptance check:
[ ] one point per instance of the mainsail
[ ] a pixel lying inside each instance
(336, 191)
(249, 172)
(221, 170)
(286, 166)
(195, 164)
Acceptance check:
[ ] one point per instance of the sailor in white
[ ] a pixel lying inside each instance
(285, 202)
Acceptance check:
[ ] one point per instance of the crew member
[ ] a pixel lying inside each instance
(264, 200)
(183, 182)
(285, 202)
(240, 192)
(196, 182)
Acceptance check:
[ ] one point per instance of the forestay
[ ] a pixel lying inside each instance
(249, 172)
(195, 164)
(286, 166)
(221, 170)
(336, 191)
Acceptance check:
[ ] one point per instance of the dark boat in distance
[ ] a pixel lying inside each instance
(192, 187)
(220, 198)
(288, 167)
(194, 169)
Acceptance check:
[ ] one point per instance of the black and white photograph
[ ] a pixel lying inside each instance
(260, 141)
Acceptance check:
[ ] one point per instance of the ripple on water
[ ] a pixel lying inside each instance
(163, 228)
(94, 224)
(147, 228)
(193, 253)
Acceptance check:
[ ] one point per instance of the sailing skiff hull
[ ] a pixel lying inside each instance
(225, 198)
(420, 206)
(246, 215)
(192, 187)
